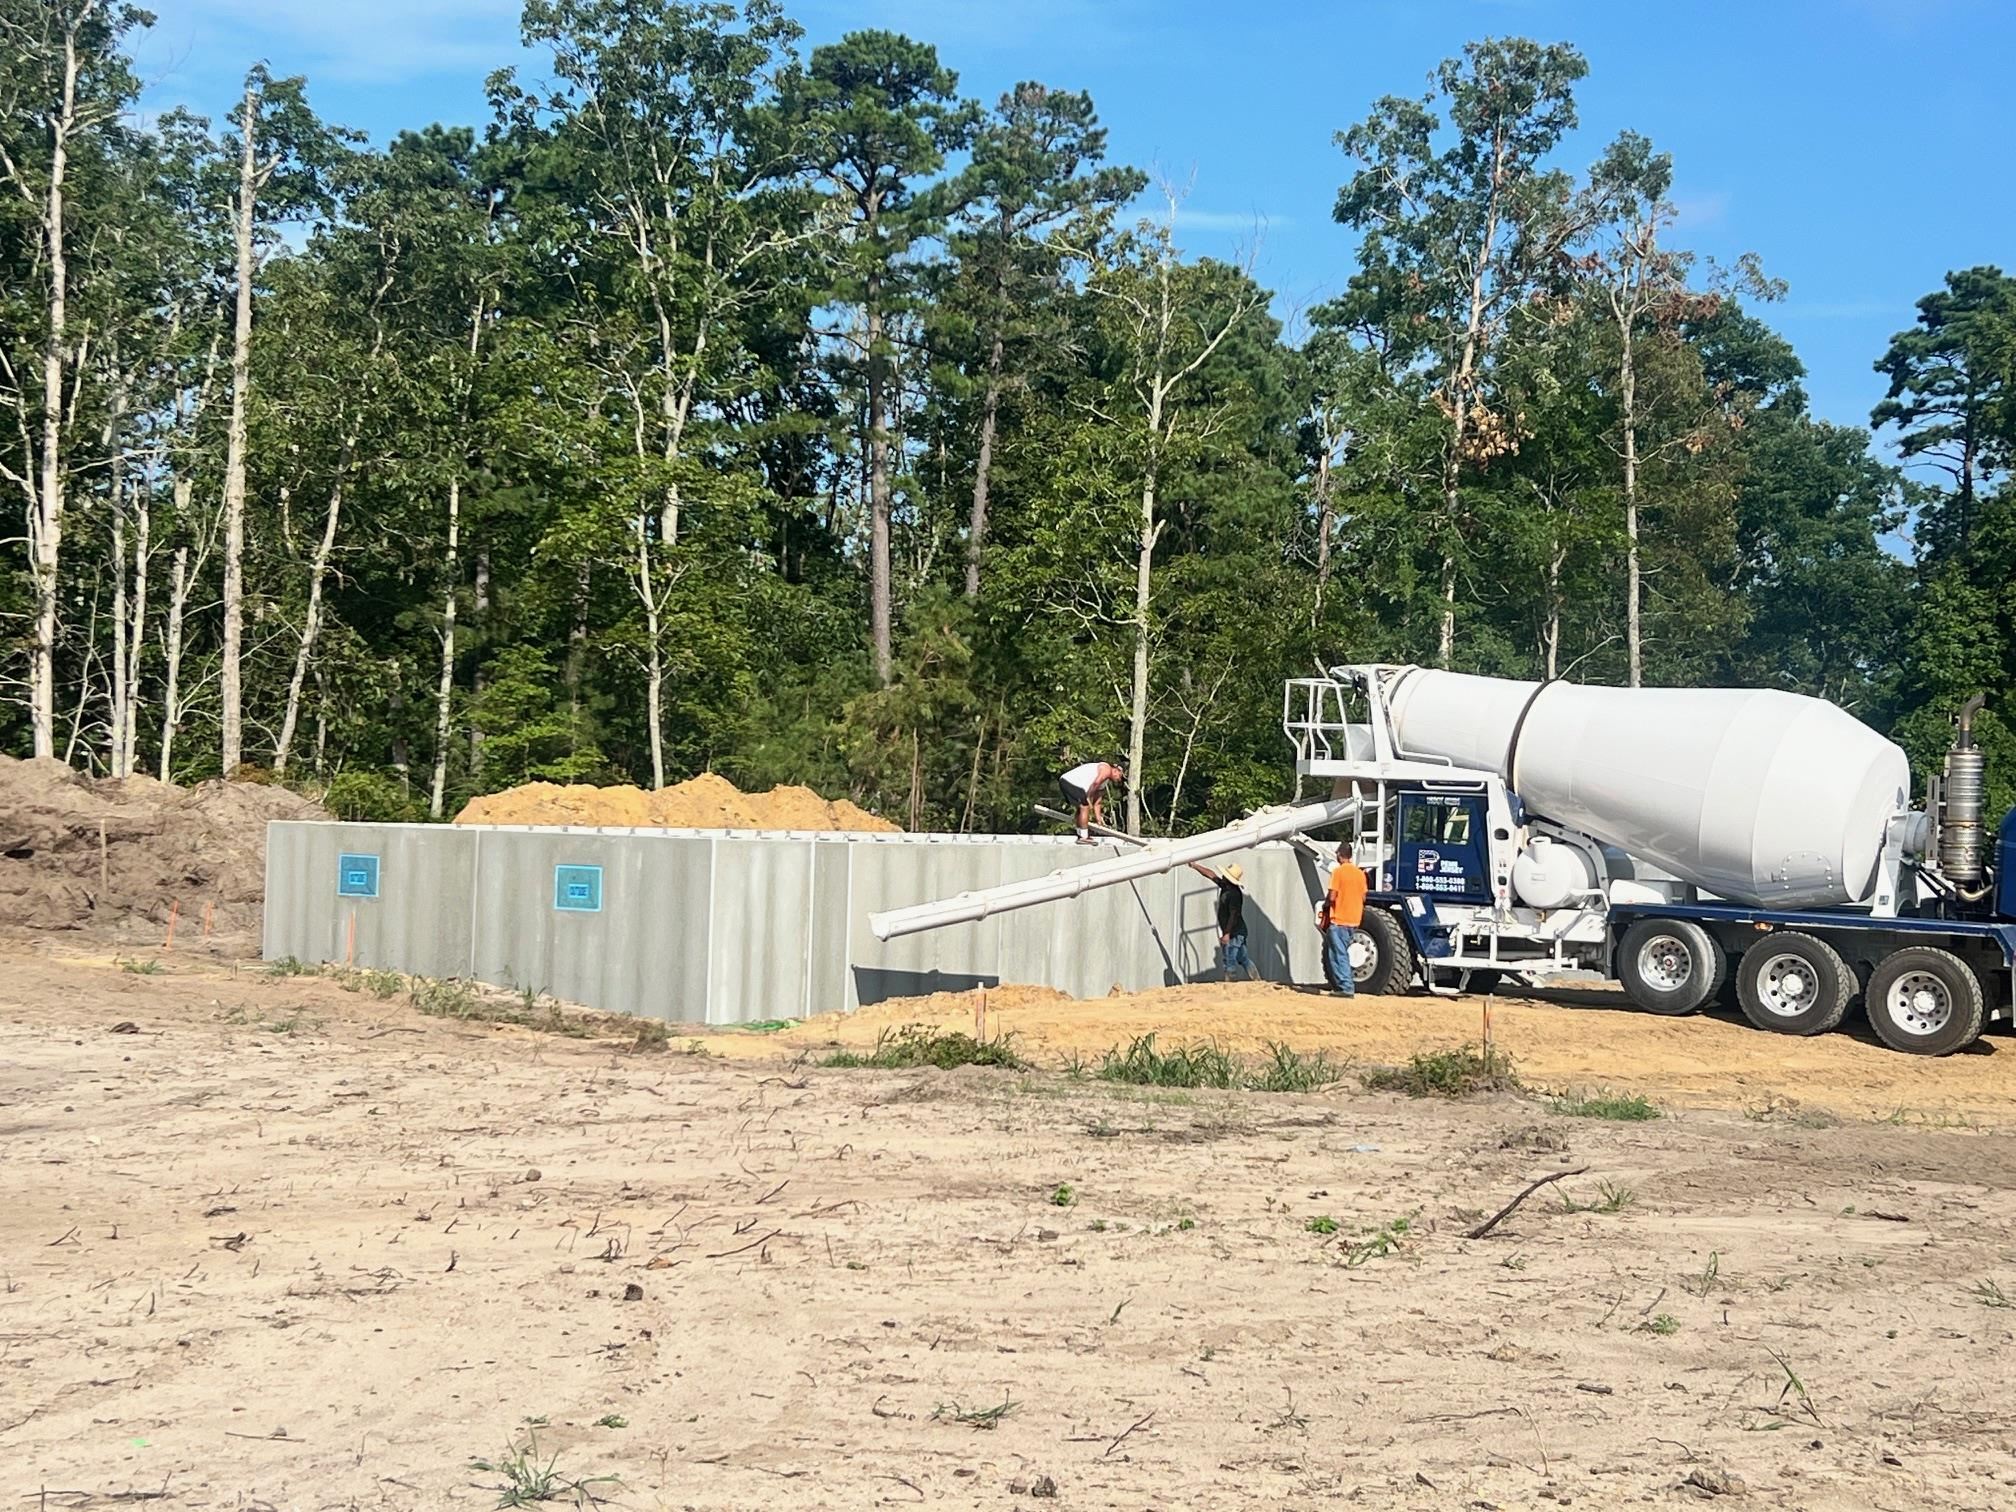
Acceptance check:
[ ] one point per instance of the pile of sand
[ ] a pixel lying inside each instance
(113, 856)
(704, 802)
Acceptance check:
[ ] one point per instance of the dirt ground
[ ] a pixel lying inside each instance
(1566, 1039)
(267, 1243)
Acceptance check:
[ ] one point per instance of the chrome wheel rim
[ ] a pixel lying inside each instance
(1361, 955)
(1788, 986)
(1919, 1003)
(1665, 962)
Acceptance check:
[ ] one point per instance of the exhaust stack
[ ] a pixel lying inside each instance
(1960, 802)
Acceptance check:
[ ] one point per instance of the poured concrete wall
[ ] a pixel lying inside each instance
(726, 927)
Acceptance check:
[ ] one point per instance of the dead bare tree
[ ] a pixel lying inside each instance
(1171, 327)
(55, 57)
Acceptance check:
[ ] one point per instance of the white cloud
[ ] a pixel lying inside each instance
(1228, 220)
(956, 27)
(1695, 211)
(351, 41)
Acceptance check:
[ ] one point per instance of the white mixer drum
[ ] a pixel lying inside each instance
(1758, 796)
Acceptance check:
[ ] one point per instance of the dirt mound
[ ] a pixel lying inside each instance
(708, 801)
(113, 856)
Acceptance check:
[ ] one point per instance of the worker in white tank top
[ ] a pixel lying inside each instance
(1084, 788)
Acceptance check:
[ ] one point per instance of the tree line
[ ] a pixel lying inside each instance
(722, 404)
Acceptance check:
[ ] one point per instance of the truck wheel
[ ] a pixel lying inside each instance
(1794, 983)
(1726, 995)
(1925, 1001)
(1669, 966)
(1382, 960)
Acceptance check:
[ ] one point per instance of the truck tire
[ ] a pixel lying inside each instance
(1387, 966)
(1726, 997)
(1925, 1001)
(1793, 983)
(1669, 966)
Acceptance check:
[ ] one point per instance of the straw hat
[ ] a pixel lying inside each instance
(1235, 873)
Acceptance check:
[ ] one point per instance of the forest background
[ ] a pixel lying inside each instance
(722, 402)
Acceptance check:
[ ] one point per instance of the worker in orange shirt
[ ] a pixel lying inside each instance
(1338, 916)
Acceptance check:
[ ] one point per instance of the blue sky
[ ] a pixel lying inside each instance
(1858, 146)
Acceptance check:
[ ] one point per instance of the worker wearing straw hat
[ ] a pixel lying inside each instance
(1232, 953)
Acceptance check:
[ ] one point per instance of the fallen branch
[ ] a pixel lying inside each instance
(1141, 1422)
(752, 1244)
(1506, 1211)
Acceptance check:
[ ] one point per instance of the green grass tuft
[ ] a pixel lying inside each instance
(1446, 1073)
(446, 998)
(1377, 1243)
(1614, 1106)
(380, 984)
(1614, 1199)
(1144, 1063)
(919, 1045)
(528, 1480)
(977, 1417)
(1287, 1070)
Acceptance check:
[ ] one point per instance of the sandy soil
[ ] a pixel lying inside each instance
(268, 1243)
(708, 801)
(1565, 1039)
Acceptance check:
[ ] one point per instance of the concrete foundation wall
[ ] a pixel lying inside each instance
(726, 927)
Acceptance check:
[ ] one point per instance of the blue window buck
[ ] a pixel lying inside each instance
(577, 889)
(356, 876)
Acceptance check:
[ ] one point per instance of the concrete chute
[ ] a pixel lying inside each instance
(1153, 857)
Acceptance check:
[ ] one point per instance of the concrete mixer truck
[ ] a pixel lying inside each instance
(1694, 844)
(1697, 845)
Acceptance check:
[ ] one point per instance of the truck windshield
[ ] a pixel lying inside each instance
(1434, 822)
